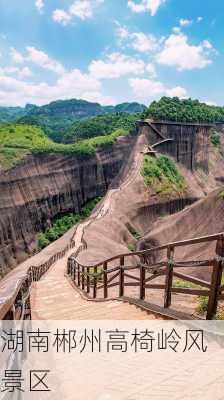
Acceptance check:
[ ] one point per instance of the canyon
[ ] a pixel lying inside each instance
(42, 187)
(45, 186)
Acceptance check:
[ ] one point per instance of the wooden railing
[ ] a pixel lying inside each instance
(18, 305)
(96, 280)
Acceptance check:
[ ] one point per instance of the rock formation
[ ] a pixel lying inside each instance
(42, 187)
(187, 143)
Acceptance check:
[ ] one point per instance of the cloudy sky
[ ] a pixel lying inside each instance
(111, 51)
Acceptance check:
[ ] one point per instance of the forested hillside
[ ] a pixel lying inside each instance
(187, 110)
(100, 126)
(10, 114)
(57, 117)
(18, 141)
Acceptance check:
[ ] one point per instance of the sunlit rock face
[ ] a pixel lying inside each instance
(189, 144)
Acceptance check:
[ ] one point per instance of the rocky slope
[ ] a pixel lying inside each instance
(156, 219)
(44, 186)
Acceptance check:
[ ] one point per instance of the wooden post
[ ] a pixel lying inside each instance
(74, 269)
(69, 267)
(88, 280)
(105, 280)
(78, 266)
(121, 290)
(142, 282)
(95, 282)
(216, 280)
(169, 277)
(83, 278)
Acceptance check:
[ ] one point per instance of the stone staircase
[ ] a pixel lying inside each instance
(54, 298)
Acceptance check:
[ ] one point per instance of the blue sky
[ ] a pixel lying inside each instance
(111, 51)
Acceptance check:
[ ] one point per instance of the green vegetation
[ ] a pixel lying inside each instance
(98, 276)
(187, 110)
(101, 125)
(202, 304)
(16, 141)
(161, 174)
(56, 118)
(130, 108)
(134, 233)
(10, 114)
(43, 241)
(220, 315)
(215, 139)
(222, 194)
(11, 157)
(184, 284)
(131, 247)
(62, 224)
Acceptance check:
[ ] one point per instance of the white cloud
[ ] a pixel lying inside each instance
(80, 82)
(147, 88)
(176, 29)
(179, 53)
(61, 16)
(151, 70)
(185, 22)
(25, 73)
(137, 40)
(177, 91)
(39, 4)
(21, 73)
(42, 59)
(83, 9)
(122, 32)
(199, 19)
(16, 57)
(207, 45)
(15, 89)
(73, 84)
(151, 6)
(115, 66)
(143, 42)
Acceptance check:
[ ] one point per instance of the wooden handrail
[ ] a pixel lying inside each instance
(188, 242)
(166, 267)
(33, 274)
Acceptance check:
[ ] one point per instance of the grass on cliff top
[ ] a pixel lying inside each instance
(161, 174)
(16, 141)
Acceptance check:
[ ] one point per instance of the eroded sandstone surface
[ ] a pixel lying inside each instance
(42, 187)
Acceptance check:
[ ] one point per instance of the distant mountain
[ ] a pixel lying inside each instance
(11, 114)
(56, 117)
(130, 108)
(79, 109)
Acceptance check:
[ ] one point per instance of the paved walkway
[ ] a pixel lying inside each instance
(53, 298)
(156, 375)
(119, 376)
